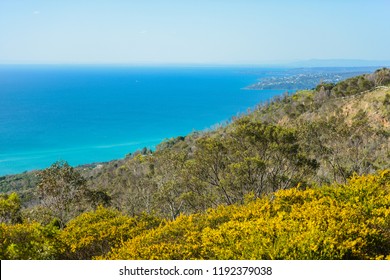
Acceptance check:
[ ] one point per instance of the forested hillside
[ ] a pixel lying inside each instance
(274, 184)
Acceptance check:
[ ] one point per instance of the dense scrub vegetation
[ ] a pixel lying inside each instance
(350, 221)
(362, 83)
(196, 185)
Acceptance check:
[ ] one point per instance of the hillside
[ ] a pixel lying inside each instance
(349, 221)
(332, 222)
(314, 136)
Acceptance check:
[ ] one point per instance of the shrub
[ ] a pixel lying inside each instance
(95, 233)
(29, 241)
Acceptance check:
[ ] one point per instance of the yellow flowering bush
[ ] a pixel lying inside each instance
(95, 233)
(28, 241)
(350, 221)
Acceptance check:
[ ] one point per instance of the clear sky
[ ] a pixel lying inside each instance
(192, 31)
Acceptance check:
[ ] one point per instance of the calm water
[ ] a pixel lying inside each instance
(91, 114)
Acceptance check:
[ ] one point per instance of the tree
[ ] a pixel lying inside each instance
(169, 177)
(10, 208)
(131, 186)
(267, 158)
(61, 189)
(208, 170)
(252, 157)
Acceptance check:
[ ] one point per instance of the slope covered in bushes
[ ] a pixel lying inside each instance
(349, 221)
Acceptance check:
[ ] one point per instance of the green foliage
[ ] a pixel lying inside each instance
(129, 185)
(381, 77)
(169, 179)
(20, 182)
(61, 189)
(325, 87)
(98, 197)
(362, 83)
(170, 143)
(253, 157)
(10, 208)
(39, 214)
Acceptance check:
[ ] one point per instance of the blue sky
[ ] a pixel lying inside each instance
(192, 31)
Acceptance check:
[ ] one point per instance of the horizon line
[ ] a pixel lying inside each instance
(308, 63)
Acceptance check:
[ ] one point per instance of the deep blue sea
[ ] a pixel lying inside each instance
(85, 114)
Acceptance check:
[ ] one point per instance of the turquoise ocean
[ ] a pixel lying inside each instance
(86, 114)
